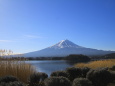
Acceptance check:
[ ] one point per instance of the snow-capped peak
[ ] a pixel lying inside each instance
(65, 48)
(65, 43)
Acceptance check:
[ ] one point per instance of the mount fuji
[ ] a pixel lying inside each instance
(65, 48)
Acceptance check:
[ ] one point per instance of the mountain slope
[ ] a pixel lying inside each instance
(64, 48)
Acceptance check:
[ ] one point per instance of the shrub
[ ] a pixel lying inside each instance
(100, 77)
(3, 84)
(112, 68)
(43, 76)
(36, 79)
(8, 79)
(57, 81)
(113, 75)
(16, 83)
(60, 73)
(81, 82)
(84, 71)
(74, 73)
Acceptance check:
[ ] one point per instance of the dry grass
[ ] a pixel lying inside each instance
(19, 69)
(97, 64)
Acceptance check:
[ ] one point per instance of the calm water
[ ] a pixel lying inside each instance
(48, 66)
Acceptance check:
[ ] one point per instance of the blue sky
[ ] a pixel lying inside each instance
(30, 25)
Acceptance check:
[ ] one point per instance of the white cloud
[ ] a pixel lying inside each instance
(5, 41)
(32, 36)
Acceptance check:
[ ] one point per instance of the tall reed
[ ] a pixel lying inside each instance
(19, 69)
(14, 66)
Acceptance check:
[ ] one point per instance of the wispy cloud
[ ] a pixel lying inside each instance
(32, 36)
(5, 41)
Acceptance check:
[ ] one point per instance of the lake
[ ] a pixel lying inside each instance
(48, 66)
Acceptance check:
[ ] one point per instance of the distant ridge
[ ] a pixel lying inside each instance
(65, 48)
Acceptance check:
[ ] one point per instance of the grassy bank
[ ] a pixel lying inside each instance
(72, 76)
(97, 64)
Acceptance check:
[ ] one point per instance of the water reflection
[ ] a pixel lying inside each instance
(49, 66)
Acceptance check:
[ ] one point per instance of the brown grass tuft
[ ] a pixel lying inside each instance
(97, 64)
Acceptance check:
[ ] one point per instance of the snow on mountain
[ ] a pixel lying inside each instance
(64, 44)
(64, 48)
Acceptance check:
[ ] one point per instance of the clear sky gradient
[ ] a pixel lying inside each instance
(30, 25)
